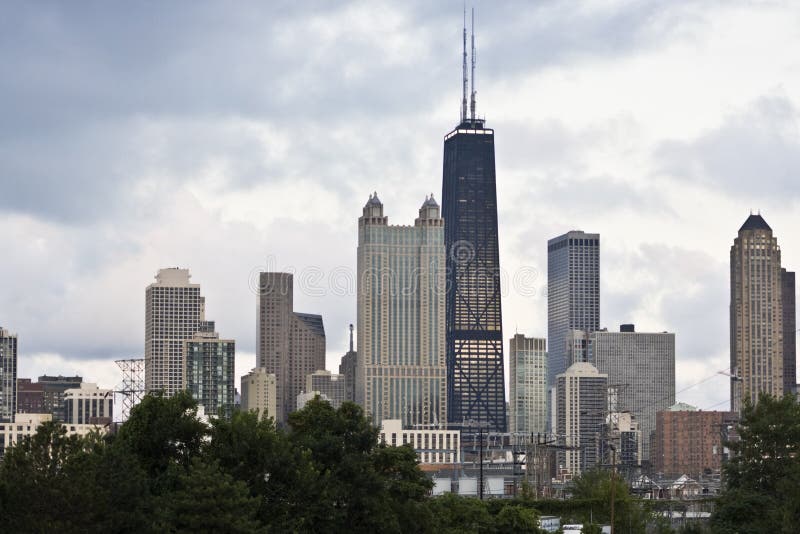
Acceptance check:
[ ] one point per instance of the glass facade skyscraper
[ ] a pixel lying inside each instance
(475, 391)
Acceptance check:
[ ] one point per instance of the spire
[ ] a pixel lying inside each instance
(351, 337)
(464, 71)
(472, 77)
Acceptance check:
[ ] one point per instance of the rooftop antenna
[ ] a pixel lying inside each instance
(464, 71)
(351, 337)
(472, 78)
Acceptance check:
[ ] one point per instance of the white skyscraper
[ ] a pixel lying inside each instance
(528, 384)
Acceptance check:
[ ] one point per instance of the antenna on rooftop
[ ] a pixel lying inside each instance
(472, 78)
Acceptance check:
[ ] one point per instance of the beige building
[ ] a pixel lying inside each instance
(401, 372)
(25, 424)
(333, 386)
(174, 313)
(88, 404)
(291, 345)
(433, 446)
(259, 392)
(756, 324)
(527, 384)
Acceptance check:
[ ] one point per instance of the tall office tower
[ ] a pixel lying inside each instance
(475, 390)
(291, 345)
(581, 406)
(756, 308)
(208, 372)
(348, 369)
(55, 388)
(789, 332)
(88, 404)
(528, 384)
(573, 293)
(332, 386)
(8, 375)
(259, 392)
(641, 373)
(30, 396)
(174, 312)
(401, 372)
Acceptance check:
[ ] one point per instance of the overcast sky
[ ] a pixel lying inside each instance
(233, 137)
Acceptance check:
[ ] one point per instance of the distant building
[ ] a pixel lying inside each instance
(174, 313)
(26, 425)
(433, 446)
(304, 398)
(291, 345)
(789, 306)
(756, 308)
(209, 372)
(401, 372)
(348, 369)
(30, 396)
(54, 390)
(8, 375)
(690, 442)
(624, 434)
(641, 373)
(528, 384)
(332, 386)
(581, 396)
(88, 404)
(259, 392)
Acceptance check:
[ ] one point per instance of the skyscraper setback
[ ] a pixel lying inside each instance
(475, 389)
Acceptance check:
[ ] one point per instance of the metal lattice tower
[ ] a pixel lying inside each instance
(131, 389)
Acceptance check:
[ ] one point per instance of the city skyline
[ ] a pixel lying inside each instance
(652, 139)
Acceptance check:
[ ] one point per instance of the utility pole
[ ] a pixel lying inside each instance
(480, 453)
(613, 482)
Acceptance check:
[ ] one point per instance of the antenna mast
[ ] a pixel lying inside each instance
(472, 78)
(464, 71)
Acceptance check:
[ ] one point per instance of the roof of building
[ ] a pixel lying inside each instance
(373, 199)
(429, 201)
(755, 222)
(313, 322)
(681, 407)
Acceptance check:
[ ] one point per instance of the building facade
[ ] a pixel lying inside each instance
(573, 295)
(690, 442)
(789, 305)
(332, 386)
(580, 396)
(756, 308)
(528, 384)
(174, 313)
(208, 372)
(88, 404)
(30, 396)
(401, 371)
(27, 424)
(291, 345)
(433, 446)
(259, 392)
(8, 375)
(641, 373)
(348, 368)
(55, 388)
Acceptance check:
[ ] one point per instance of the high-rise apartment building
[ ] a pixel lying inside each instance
(174, 313)
(641, 373)
(348, 368)
(528, 384)
(581, 407)
(8, 375)
(291, 345)
(475, 389)
(208, 372)
(88, 404)
(756, 325)
(401, 372)
(789, 306)
(332, 386)
(573, 294)
(259, 392)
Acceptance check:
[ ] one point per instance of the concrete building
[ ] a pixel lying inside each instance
(8, 375)
(26, 425)
(348, 368)
(573, 293)
(291, 345)
(528, 384)
(624, 434)
(259, 392)
(433, 446)
(304, 398)
(756, 307)
(88, 404)
(30, 396)
(788, 303)
(690, 442)
(581, 405)
(208, 372)
(332, 386)
(401, 371)
(174, 313)
(641, 373)
(55, 388)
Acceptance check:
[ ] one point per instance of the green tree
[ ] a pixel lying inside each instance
(515, 518)
(594, 486)
(455, 514)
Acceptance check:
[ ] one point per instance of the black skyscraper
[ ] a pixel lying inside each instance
(475, 392)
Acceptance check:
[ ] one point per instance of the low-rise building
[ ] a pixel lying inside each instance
(88, 404)
(433, 445)
(26, 424)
